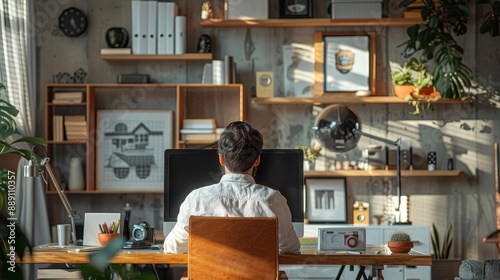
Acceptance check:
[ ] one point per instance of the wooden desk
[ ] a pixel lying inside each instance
(376, 255)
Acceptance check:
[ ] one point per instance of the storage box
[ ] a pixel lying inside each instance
(247, 9)
(356, 9)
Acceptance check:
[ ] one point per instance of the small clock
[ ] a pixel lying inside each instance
(73, 22)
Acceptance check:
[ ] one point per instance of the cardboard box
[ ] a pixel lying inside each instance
(247, 9)
(356, 9)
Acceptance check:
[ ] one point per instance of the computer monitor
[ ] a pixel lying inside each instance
(189, 169)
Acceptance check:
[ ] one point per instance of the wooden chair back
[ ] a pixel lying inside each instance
(235, 248)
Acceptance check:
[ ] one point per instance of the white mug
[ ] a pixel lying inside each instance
(63, 234)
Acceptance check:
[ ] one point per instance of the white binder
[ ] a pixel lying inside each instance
(180, 34)
(166, 27)
(139, 11)
(151, 23)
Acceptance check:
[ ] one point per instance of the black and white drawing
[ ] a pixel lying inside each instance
(326, 200)
(130, 146)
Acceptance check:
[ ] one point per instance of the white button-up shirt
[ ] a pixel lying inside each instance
(236, 195)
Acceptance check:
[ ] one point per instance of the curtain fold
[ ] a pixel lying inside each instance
(18, 74)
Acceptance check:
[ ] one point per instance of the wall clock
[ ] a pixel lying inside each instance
(72, 22)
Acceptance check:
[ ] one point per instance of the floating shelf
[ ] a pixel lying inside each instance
(156, 57)
(347, 99)
(311, 22)
(383, 173)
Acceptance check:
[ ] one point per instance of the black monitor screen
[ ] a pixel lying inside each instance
(189, 169)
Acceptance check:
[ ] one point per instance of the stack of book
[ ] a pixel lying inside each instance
(57, 128)
(414, 10)
(75, 127)
(61, 97)
(199, 129)
(116, 51)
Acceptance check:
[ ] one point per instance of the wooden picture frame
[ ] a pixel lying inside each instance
(326, 200)
(130, 146)
(344, 62)
(295, 9)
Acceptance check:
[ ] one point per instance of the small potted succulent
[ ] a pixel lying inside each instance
(400, 242)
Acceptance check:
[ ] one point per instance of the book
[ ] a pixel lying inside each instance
(200, 136)
(74, 118)
(116, 51)
(66, 97)
(198, 124)
(196, 131)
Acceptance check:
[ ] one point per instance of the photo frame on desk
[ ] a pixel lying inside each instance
(130, 145)
(345, 62)
(326, 200)
(295, 9)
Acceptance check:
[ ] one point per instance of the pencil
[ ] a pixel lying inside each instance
(100, 227)
(117, 227)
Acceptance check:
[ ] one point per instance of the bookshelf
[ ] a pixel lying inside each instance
(223, 103)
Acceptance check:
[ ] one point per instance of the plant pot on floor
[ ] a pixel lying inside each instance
(446, 269)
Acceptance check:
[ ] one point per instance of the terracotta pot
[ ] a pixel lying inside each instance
(400, 246)
(105, 238)
(404, 91)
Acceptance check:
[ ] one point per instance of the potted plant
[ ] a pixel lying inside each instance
(414, 84)
(311, 153)
(435, 41)
(442, 266)
(400, 242)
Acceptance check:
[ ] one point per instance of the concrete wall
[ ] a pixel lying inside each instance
(465, 133)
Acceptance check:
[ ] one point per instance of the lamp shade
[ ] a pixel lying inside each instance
(334, 128)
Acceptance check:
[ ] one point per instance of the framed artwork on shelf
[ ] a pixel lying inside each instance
(326, 200)
(345, 62)
(295, 9)
(130, 146)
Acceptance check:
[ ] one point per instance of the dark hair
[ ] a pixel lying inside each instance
(240, 145)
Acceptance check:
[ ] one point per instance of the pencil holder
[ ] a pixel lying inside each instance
(105, 238)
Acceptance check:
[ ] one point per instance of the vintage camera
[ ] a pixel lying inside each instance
(143, 232)
(342, 239)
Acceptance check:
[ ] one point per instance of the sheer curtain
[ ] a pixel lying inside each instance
(17, 73)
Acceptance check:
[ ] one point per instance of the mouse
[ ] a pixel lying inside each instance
(155, 247)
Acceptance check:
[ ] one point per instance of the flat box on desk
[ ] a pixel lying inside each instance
(246, 9)
(356, 9)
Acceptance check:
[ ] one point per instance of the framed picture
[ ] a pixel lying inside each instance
(345, 62)
(295, 9)
(130, 147)
(326, 200)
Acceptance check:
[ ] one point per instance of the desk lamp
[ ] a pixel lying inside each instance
(338, 129)
(33, 169)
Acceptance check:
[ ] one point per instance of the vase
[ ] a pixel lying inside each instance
(309, 164)
(76, 181)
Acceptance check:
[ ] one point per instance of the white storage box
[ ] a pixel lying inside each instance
(356, 9)
(247, 9)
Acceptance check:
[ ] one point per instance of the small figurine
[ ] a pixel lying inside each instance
(204, 44)
(206, 10)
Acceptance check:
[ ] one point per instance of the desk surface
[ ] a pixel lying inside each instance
(374, 255)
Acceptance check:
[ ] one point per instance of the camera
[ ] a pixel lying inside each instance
(143, 232)
(342, 239)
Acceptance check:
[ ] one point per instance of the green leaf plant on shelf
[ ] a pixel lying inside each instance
(311, 153)
(414, 84)
(435, 43)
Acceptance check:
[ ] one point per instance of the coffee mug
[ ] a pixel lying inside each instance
(63, 234)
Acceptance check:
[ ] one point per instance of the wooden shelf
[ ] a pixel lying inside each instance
(68, 192)
(383, 173)
(347, 99)
(156, 57)
(311, 22)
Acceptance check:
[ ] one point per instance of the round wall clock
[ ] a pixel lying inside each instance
(72, 22)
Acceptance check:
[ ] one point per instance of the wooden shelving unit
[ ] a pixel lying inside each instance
(225, 103)
(156, 57)
(347, 99)
(383, 173)
(310, 22)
